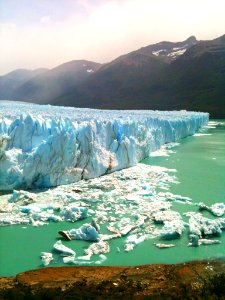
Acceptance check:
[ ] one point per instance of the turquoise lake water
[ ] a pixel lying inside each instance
(200, 165)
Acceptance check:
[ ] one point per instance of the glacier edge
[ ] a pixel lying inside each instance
(46, 146)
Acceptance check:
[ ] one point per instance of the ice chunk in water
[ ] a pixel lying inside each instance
(216, 209)
(172, 229)
(201, 226)
(86, 232)
(74, 213)
(46, 258)
(58, 246)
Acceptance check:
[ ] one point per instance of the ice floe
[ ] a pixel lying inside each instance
(164, 246)
(58, 246)
(195, 241)
(172, 229)
(202, 226)
(201, 134)
(74, 213)
(165, 150)
(132, 241)
(86, 232)
(46, 258)
(217, 209)
(100, 247)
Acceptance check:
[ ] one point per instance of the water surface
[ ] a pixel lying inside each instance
(200, 165)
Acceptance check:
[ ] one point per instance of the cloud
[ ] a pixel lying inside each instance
(45, 20)
(7, 29)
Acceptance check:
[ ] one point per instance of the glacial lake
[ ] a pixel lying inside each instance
(200, 164)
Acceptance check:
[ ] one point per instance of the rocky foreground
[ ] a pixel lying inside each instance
(194, 280)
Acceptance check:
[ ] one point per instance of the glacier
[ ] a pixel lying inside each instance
(45, 146)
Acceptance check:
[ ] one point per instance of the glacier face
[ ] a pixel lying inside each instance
(45, 146)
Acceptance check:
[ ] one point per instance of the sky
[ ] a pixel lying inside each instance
(46, 33)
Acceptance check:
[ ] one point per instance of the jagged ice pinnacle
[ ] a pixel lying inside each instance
(45, 146)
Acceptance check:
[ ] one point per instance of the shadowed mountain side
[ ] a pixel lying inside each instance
(113, 82)
(194, 81)
(123, 79)
(45, 87)
(65, 78)
(14, 79)
(165, 76)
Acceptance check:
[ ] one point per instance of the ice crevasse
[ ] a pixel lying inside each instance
(45, 146)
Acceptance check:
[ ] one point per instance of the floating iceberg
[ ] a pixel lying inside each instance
(46, 258)
(132, 241)
(172, 229)
(75, 213)
(164, 246)
(102, 258)
(86, 232)
(167, 215)
(45, 146)
(58, 246)
(96, 248)
(208, 242)
(202, 226)
(217, 209)
(173, 225)
(196, 241)
(69, 259)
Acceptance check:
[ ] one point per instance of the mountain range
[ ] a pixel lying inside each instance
(165, 76)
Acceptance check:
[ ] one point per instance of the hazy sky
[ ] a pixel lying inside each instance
(46, 33)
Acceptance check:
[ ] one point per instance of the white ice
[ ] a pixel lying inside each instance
(46, 258)
(217, 209)
(58, 246)
(86, 232)
(202, 226)
(44, 146)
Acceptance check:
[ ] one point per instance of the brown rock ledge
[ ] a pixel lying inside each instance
(193, 280)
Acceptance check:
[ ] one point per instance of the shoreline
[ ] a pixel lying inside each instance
(183, 281)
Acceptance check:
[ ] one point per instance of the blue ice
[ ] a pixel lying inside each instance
(46, 146)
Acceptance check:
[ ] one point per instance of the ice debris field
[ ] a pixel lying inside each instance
(45, 146)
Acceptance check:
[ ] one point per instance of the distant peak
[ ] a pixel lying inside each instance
(192, 39)
(221, 38)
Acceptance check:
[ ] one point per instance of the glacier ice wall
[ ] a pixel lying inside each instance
(45, 146)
